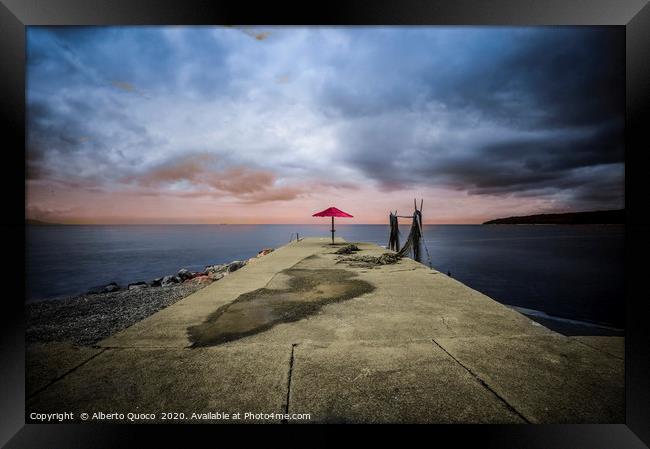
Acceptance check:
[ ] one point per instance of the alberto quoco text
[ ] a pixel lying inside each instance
(165, 416)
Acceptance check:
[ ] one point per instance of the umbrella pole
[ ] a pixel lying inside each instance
(332, 230)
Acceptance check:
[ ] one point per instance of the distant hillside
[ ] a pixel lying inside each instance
(30, 221)
(595, 217)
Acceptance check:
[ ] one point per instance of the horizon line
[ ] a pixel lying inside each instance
(228, 224)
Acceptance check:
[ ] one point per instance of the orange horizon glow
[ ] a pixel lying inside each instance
(369, 205)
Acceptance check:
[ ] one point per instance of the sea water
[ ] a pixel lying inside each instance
(570, 271)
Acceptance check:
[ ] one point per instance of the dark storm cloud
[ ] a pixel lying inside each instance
(522, 112)
(555, 78)
(554, 97)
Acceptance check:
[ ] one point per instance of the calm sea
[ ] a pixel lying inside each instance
(567, 271)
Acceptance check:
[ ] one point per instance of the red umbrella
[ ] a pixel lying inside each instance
(332, 212)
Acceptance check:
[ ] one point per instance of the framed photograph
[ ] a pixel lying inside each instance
(392, 213)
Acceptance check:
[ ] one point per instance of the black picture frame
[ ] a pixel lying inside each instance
(634, 15)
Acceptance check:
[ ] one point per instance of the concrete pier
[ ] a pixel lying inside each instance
(301, 331)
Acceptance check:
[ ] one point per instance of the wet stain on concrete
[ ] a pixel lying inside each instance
(304, 293)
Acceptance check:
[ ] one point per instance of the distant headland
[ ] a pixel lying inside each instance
(592, 217)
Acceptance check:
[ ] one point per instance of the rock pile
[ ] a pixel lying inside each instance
(216, 272)
(137, 285)
(104, 310)
(108, 288)
(209, 274)
(262, 253)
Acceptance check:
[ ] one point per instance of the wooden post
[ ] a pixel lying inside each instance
(332, 230)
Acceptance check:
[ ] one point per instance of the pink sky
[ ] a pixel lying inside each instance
(368, 205)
